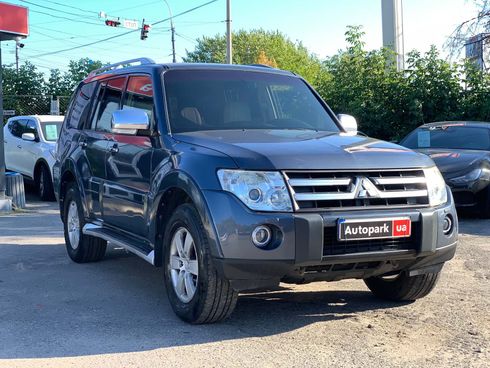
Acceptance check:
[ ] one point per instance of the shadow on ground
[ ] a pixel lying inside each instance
(51, 307)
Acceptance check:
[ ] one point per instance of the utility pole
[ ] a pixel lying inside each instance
(2, 152)
(392, 13)
(172, 29)
(17, 56)
(229, 46)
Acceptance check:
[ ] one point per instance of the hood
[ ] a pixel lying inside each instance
(298, 149)
(454, 160)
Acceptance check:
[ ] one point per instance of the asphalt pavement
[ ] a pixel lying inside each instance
(55, 313)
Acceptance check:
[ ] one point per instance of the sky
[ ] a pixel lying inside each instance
(319, 24)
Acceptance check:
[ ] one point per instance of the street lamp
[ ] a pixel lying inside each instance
(172, 28)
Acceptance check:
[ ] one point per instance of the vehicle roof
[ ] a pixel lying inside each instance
(190, 66)
(41, 118)
(458, 123)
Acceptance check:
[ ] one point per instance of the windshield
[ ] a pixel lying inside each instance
(450, 136)
(51, 130)
(224, 100)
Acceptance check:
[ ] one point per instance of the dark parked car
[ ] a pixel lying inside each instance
(235, 178)
(461, 151)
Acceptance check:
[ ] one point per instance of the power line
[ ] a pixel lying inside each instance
(69, 6)
(66, 18)
(50, 8)
(122, 34)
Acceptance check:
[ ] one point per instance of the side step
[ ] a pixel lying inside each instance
(120, 241)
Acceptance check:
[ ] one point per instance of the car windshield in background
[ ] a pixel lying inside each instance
(451, 137)
(51, 130)
(200, 100)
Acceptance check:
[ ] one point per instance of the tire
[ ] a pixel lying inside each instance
(403, 287)
(80, 247)
(197, 293)
(44, 184)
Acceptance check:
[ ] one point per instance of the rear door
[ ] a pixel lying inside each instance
(96, 139)
(128, 164)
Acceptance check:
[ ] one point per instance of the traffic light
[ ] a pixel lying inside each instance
(112, 23)
(144, 31)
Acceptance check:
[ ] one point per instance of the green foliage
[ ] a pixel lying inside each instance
(388, 103)
(250, 47)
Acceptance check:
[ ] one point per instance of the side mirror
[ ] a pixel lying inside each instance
(28, 137)
(349, 123)
(129, 121)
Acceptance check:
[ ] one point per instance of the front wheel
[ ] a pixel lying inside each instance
(402, 287)
(197, 293)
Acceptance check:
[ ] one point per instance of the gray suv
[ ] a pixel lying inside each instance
(234, 178)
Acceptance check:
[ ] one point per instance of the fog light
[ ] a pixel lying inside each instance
(447, 225)
(261, 236)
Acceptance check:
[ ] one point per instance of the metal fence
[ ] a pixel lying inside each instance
(14, 105)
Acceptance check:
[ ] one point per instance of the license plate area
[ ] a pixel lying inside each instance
(367, 229)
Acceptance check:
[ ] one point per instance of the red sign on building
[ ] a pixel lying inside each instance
(13, 21)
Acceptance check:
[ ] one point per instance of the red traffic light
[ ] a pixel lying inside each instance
(144, 31)
(112, 23)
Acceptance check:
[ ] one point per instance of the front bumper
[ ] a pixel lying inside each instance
(469, 194)
(301, 255)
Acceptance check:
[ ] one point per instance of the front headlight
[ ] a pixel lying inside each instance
(475, 174)
(258, 190)
(435, 186)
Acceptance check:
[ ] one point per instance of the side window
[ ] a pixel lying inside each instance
(108, 101)
(139, 95)
(80, 107)
(18, 127)
(31, 128)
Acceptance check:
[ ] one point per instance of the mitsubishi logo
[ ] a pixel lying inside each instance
(364, 188)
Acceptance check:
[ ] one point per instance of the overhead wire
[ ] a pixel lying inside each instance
(122, 34)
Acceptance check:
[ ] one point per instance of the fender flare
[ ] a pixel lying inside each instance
(69, 167)
(180, 180)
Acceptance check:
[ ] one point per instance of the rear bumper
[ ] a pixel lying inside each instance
(302, 255)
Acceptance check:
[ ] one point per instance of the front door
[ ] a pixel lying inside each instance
(128, 165)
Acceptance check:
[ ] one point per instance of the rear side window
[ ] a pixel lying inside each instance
(80, 108)
(17, 128)
(139, 95)
(109, 100)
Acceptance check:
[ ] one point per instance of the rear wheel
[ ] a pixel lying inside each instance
(197, 293)
(402, 287)
(80, 247)
(45, 184)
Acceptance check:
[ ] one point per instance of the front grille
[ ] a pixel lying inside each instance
(332, 190)
(332, 246)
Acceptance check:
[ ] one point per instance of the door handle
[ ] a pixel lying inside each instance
(114, 149)
(19, 146)
(82, 144)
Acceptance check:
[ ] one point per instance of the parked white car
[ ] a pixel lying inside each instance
(30, 143)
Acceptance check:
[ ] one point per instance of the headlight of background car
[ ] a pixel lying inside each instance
(435, 186)
(482, 173)
(258, 190)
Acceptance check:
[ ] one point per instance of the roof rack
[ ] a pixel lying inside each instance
(121, 64)
(262, 66)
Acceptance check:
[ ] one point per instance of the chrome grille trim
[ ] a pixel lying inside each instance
(319, 182)
(312, 190)
(404, 180)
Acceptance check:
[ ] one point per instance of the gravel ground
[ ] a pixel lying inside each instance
(54, 313)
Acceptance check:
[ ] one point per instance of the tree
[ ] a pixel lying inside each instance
(57, 84)
(78, 70)
(259, 46)
(479, 24)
